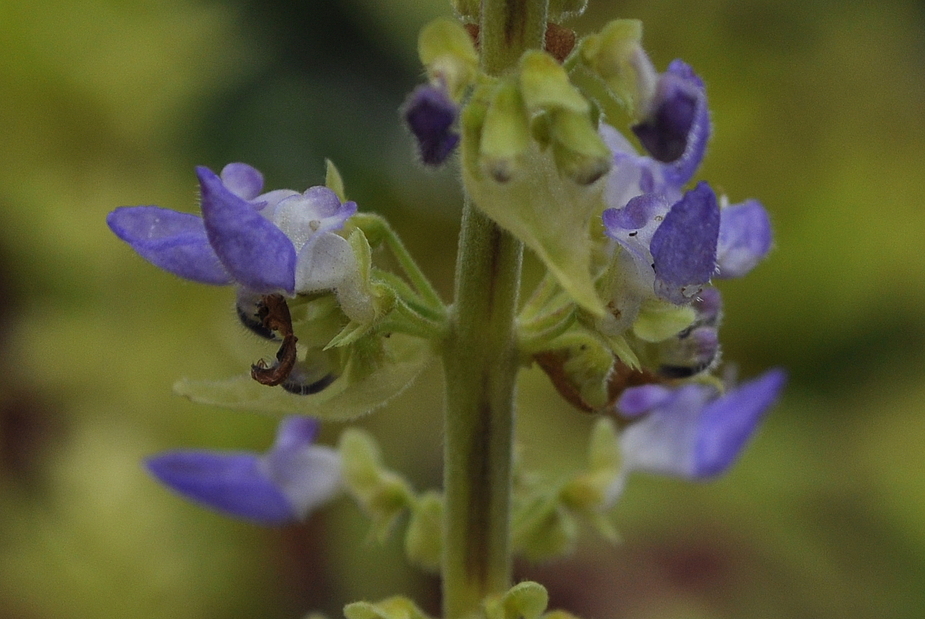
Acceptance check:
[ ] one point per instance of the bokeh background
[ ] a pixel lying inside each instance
(819, 110)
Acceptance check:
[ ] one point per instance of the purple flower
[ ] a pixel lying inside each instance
(282, 485)
(430, 114)
(277, 242)
(691, 431)
(672, 246)
(677, 125)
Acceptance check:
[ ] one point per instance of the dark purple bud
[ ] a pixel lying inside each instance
(684, 246)
(665, 132)
(431, 114)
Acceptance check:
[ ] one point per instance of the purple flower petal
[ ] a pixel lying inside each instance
(665, 133)
(684, 246)
(638, 400)
(636, 214)
(234, 483)
(744, 238)
(682, 170)
(176, 242)
(662, 441)
(431, 114)
(695, 435)
(281, 486)
(242, 180)
(726, 424)
(308, 475)
(259, 255)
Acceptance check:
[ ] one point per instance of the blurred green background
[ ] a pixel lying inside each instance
(819, 111)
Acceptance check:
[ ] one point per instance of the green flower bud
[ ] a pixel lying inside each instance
(446, 49)
(526, 600)
(381, 493)
(423, 538)
(578, 149)
(546, 86)
(505, 135)
(616, 55)
(397, 607)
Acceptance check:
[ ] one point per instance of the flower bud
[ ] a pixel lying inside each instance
(446, 49)
(505, 134)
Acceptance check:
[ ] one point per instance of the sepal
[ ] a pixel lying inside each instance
(659, 320)
(505, 136)
(616, 56)
(334, 181)
(373, 381)
(543, 528)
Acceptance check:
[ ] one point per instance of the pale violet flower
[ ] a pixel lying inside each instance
(282, 241)
(277, 487)
(691, 431)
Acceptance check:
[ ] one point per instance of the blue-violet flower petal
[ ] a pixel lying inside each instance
(684, 246)
(257, 253)
(174, 241)
(744, 238)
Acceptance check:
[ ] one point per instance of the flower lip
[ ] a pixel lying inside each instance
(744, 238)
(283, 485)
(690, 432)
(174, 241)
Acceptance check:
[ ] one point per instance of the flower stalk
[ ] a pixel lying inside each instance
(480, 364)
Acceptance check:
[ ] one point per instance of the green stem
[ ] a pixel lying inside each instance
(480, 364)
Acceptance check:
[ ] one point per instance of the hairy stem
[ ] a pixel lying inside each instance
(480, 364)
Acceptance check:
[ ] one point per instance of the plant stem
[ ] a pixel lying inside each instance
(480, 364)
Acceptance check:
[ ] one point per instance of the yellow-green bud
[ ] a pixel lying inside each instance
(505, 133)
(579, 151)
(546, 86)
(446, 49)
